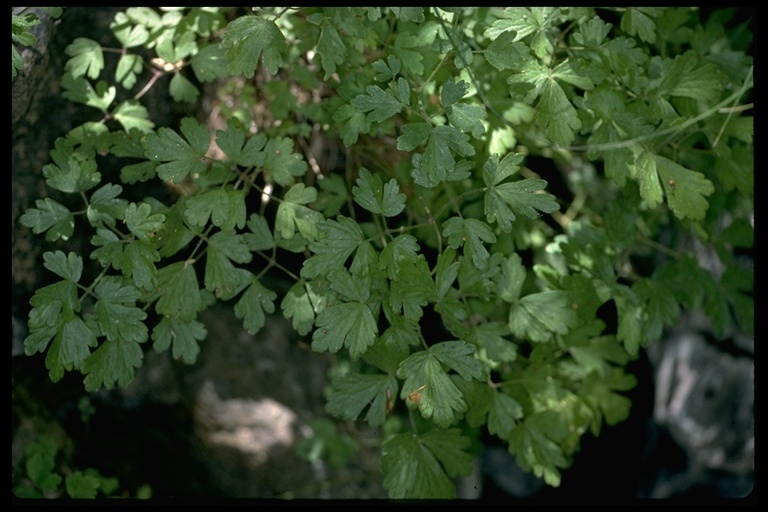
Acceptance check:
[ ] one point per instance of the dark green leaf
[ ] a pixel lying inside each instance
(352, 393)
(183, 335)
(182, 158)
(116, 312)
(180, 291)
(336, 242)
(49, 216)
(470, 233)
(379, 104)
(293, 215)
(539, 316)
(115, 361)
(417, 467)
(349, 324)
(303, 301)
(282, 163)
(251, 307)
(376, 197)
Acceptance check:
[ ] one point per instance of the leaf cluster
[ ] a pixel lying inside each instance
(461, 286)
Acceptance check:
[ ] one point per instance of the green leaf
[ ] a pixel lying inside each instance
(638, 21)
(521, 197)
(452, 92)
(68, 266)
(209, 63)
(331, 48)
(379, 104)
(349, 324)
(249, 38)
(350, 394)
(470, 233)
(504, 414)
(513, 276)
(539, 316)
(506, 52)
(183, 335)
(437, 161)
(180, 291)
(356, 123)
(115, 361)
(221, 277)
(282, 163)
(70, 348)
(130, 35)
(293, 215)
(632, 316)
(118, 317)
(80, 90)
(138, 261)
(260, 237)
(86, 58)
(413, 289)
(686, 190)
(232, 142)
(403, 248)
(374, 196)
(535, 444)
(81, 485)
(49, 216)
(182, 158)
(141, 222)
(557, 115)
(418, 467)
(684, 77)
(348, 286)
(337, 240)
(251, 307)
(490, 336)
(304, 300)
(386, 70)
(182, 89)
(71, 171)
(467, 118)
(128, 68)
(427, 385)
(52, 305)
(105, 207)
